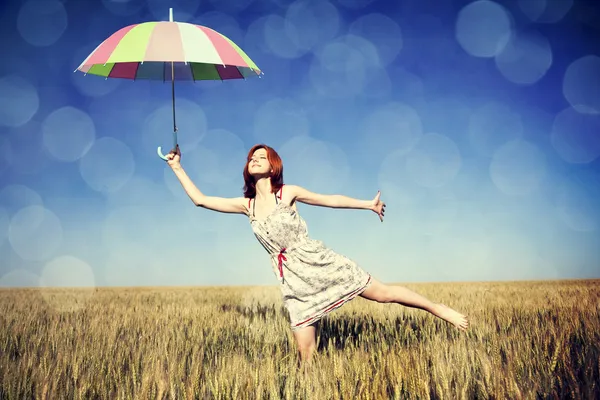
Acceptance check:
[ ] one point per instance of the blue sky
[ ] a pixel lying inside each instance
(478, 121)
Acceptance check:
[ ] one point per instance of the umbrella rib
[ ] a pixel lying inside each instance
(136, 71)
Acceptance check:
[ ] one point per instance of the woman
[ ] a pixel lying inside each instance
(314, 280)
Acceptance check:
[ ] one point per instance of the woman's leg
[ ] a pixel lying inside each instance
(306, 339)
(381, 293)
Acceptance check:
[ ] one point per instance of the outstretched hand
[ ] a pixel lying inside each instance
(377, 206)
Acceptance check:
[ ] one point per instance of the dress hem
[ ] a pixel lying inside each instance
(332, 307)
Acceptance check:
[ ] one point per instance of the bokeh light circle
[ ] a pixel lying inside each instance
(493, 125)
(545, 11)
(68, 133)
(4, 224)
(13, 197)
(67, 271)
(383, 32)
(581, 84)
(19, 101)
(525, 59)
(434, 161)
(555, 11)
(19, 278)
(108, 165)
(394, 126)
(576, 136)
(158, 127)
(141, 190)
(338, 70)
(576, 206)
(311, 22)
(319, 165)
(278, 120)
(219, 159)
(124, 224)
(28, 153)
(94, 86)
(517, 168)
(42, 22)
(224, 23)
(6, 154)
(281, 37)
(483, 28)
(35, 233)
(533, 9)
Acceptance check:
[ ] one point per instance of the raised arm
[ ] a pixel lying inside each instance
(235, 205)
(336, 200)
(327, 200)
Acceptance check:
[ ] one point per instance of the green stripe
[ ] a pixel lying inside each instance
(133, 45)
(101, 70)
(249, 62)
(203, 71)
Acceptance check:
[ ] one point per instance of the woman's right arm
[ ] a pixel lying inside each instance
(234, 205)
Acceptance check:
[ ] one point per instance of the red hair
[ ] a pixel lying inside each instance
(276, 176)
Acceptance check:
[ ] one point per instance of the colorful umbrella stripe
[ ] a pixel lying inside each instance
(146, 50)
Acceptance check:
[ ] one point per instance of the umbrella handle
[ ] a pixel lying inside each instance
(160, 154)
(159, 150)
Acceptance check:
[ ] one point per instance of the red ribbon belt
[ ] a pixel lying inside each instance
(281, 258)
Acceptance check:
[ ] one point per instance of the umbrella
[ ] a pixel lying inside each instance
(169, 51)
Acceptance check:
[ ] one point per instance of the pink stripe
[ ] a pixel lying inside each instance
(102, 53)
(165, 43)
(124, 70)
(227, 53)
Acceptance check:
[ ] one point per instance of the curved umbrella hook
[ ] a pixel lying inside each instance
(159, 150)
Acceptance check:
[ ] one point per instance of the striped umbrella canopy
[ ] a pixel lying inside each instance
(169, 51)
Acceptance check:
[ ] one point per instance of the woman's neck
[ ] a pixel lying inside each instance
(263, 188)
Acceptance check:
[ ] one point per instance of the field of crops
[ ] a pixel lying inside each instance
(526, 340)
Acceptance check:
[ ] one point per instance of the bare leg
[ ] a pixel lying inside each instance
(306, 339)
(381, 293)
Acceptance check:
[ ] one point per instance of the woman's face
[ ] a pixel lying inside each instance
(259, 164)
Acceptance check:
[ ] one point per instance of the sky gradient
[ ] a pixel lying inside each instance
(478, 121)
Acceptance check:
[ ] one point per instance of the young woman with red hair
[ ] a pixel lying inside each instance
(314, 280)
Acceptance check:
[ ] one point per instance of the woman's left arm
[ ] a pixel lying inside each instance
(327, 200)
(337, 201)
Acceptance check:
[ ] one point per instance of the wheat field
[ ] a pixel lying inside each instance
(527, 340)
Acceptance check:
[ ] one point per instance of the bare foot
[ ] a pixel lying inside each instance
(455, 318)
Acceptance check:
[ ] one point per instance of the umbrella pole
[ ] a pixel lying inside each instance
(173, 96)
(159, 150)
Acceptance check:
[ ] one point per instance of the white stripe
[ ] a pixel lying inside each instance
(197, 47)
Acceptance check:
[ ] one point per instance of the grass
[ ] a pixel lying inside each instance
(527, 340)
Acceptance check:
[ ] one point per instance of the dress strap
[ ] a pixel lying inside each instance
(280, 191)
